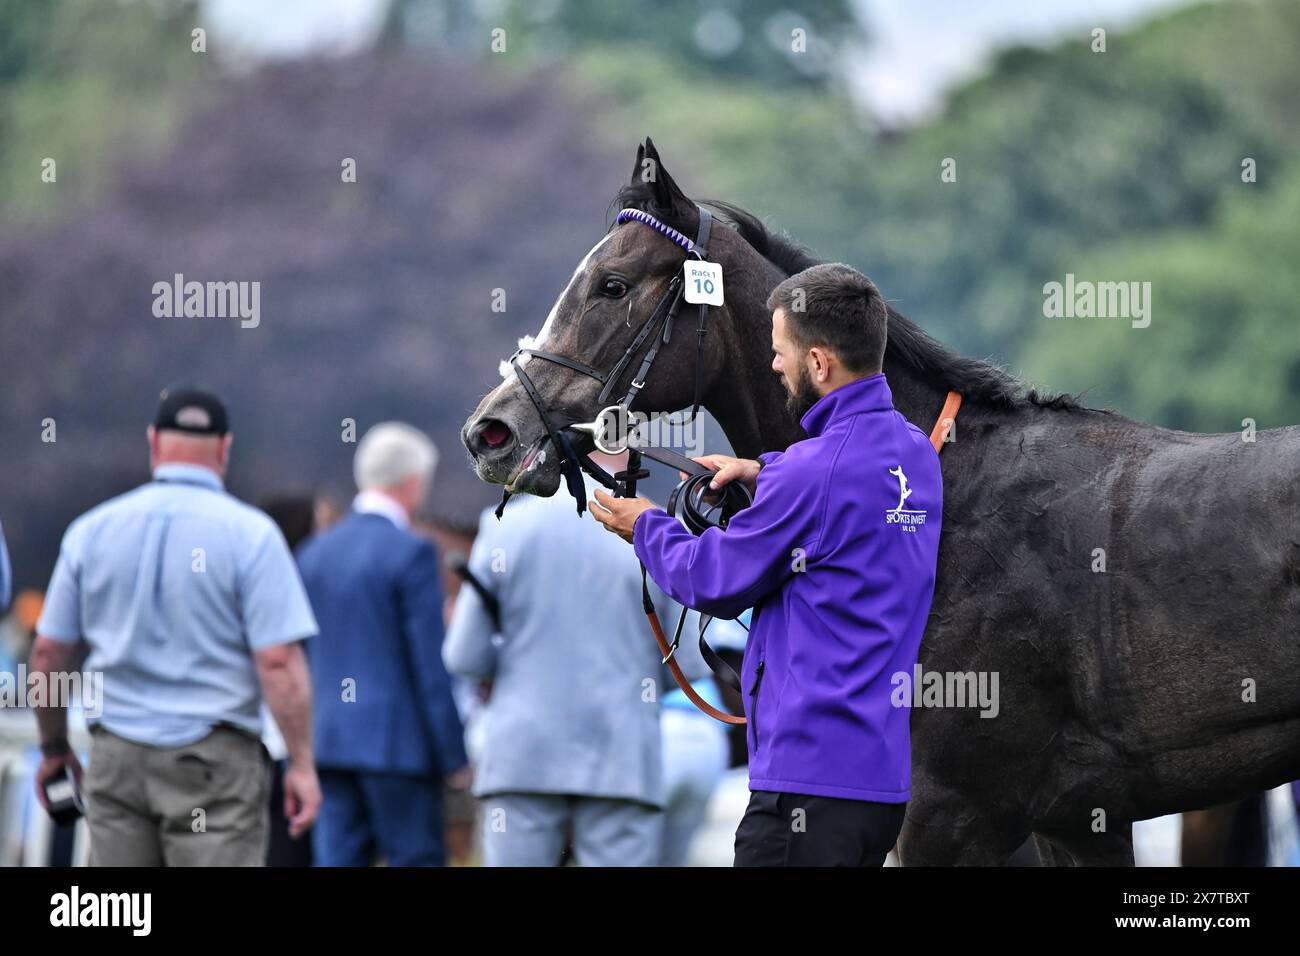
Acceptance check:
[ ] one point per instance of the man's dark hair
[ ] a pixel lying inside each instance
(835, 306)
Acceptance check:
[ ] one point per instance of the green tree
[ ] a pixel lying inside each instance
(769, 42)
(1223, 344)
(84, 82)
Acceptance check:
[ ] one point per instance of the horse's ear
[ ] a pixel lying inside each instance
(668, 195)
(639, 164)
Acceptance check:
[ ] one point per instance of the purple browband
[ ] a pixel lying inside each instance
(646, 219)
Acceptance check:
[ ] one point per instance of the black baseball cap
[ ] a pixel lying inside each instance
(192, 410)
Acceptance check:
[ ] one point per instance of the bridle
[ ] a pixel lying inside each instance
(658, 330)
(691, 497)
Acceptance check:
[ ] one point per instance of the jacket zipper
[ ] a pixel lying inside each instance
(753, 710)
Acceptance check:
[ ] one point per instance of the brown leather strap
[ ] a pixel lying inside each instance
(947, 418)
(653, 617)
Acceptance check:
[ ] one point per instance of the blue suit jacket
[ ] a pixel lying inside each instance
(383, 698)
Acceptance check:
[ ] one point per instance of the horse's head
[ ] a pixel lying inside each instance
(612, 293)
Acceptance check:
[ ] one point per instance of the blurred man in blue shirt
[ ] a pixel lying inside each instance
(188, 603)
(387, 729)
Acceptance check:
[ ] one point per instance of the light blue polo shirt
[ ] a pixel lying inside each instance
(173, 586)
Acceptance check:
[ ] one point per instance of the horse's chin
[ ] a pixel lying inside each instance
(542, 483)
(538, 472)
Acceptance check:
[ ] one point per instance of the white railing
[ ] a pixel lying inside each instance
(26, 831)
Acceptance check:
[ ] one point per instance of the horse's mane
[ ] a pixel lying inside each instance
(978, 380)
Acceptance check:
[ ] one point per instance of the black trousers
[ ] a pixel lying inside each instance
(794, 829)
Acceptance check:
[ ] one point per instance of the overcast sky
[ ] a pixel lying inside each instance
(920, 48)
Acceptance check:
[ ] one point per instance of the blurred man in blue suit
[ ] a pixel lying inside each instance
(387, 730)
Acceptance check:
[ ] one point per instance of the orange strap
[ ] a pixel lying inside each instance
(947, 418)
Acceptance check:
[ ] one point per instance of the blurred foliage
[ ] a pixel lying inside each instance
(1060, 154)
(748, 40)
(377, 297)
(82, 82)
(1224, 342)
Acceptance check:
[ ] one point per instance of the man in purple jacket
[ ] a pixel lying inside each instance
(837, 557)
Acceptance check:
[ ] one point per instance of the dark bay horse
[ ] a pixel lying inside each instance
(1135, 589)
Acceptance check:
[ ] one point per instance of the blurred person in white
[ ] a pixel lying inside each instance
(696, 752)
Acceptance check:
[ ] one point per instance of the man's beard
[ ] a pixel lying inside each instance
(804, 396)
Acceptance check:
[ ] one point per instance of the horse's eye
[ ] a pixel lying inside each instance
(613, 288)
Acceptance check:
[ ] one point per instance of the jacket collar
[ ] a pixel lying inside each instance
(371, 502)
(870, 394)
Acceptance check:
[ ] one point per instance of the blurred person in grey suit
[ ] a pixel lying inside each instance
(571, 740)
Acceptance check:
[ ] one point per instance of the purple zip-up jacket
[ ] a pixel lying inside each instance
(837, 557)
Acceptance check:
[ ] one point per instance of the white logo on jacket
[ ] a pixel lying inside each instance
(906, 518)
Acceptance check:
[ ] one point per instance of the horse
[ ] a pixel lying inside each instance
(1135, 589)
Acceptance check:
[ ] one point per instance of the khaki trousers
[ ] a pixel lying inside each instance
(204, 804)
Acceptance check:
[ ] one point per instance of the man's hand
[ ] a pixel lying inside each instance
(619, 514)
(302, 797)
(51, 767)
(50, 657)
(728, 469)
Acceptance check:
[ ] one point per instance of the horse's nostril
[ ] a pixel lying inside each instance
(494, 433)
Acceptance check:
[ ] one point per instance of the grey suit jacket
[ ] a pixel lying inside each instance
(576, 673)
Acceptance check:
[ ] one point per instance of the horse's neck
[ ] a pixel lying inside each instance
(747, 398)
(919, 401)
(749, 401)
